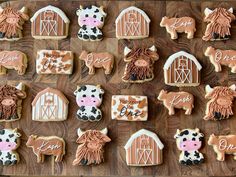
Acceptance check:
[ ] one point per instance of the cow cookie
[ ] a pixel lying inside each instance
(97, 60)
(90, 149)
(47, 145)
(221, 101)
(179, 100)
(91, 20)
(179, 25)
(189, 141)
(11, 23)
(223, 144)
(218, 27)
(89, 98)
(139, 67)
(9, 142)
(129, 107)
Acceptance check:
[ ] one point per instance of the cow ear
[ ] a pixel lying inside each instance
(126, 51)
(102, 11)
(177, 133)
(16, 133)
(207, 11)
(76, 91)
(79, 10)
(231, 10)
(197, 130)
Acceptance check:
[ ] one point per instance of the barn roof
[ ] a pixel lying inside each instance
(55, 9)
(133, 8)
(171, 58)
(144, 132)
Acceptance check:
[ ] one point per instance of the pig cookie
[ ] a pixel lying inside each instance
(189, 141)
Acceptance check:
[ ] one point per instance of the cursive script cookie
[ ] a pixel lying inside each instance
(47, 145)
(129, 107)
(223, 144)
(218, 20)
(221, 101)
(97, 60)
(144, 148)
(179, 25)
(189, 141)
(90, 149)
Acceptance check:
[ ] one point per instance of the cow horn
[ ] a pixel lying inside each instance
(104, 131)
(197, 130)
(231, 10)
(207, 11)
(23, 10)
(79, 132)
(81, 7)
(20, 86)
(75, 92)
(208, 89)
(233, 87)
(127, 51)
(153, 48)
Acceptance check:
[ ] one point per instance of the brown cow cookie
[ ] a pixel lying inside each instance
(90, 149)
(221, 101)
(179, 25)
(179, 100)
(218, 27)
(47, 145)
(139, 67)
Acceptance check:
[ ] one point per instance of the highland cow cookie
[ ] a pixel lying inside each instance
(189, 141)
(91, 20)
(10, 141)
(89, 98)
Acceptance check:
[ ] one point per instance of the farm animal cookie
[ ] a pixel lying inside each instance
(132, 23)
(139, 67)
(11, 23)
(221, 57)
(10, 141)
(223, 144)
(89, 98)
(50, 105)
(97, 60)
(49, 23)
(179, 25)
(144, 148)
(54, 62)
(218, 20)
(189, 141)
(221, 101)
(180, 100)
(46, 145)
(91, 20)
(90, 149)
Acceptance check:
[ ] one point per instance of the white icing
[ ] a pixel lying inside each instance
(179, 23)
(207, 11)
(176, 100)
(223, 145)
(219, 56)
(126, 51)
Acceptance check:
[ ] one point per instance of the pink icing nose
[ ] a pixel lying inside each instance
(88, 101)
(6, 146)
(90, 21)
(190, 145)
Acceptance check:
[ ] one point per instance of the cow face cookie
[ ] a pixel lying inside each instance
(179, 25)
(89, 98)
(139, 67)
(90, 149)
(189, 141)
(9, 142)
(223, 145)
(47, 145)
(98, 60)
(220, 104)
(218, 20)
(91, 20)
(179, 100)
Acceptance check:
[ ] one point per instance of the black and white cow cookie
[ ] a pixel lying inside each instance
(189, 141)
(91, 20)
(89, 98)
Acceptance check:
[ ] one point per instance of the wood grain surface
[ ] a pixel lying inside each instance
(159, 121)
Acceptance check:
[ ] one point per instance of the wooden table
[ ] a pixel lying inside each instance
(159, 121)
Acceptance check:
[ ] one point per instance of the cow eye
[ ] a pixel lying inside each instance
(0, 140)
(86, 15)
(7, 140)
(92, 96)
(94, 16)
(184, 139)
(84, 95)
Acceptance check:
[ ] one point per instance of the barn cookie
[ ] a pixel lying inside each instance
(218, 27)
(223, 144)
(189, 141)
(97, 60)
(182, 69)
(179, 100)
(221, 57)
(50, 105)
(49, 23)
(11, 23)
(139, 67)
(129, 108)
(144, 148)
(132, 23)
(179, 25)
(221, 101)
(46, 145)
(10, 141)
(90, 149)
(89, 98)
(91, 20)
